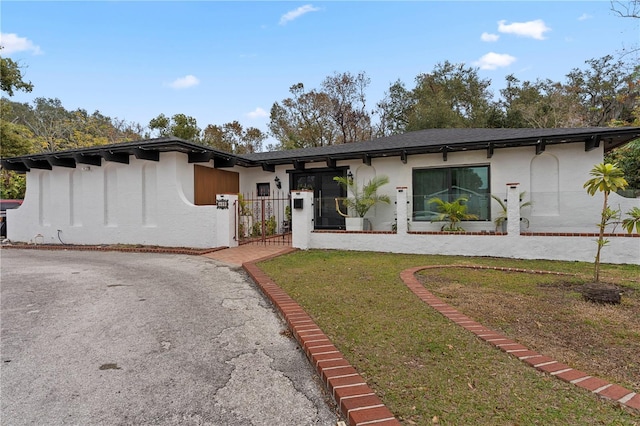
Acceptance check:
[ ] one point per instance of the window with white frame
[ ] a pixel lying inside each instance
(449, 184)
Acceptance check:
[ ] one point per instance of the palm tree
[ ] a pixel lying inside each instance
(454, 212)
(363, 198)
(606, 178)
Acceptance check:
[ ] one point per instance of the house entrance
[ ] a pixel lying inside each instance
(325, 191)
(263, 219)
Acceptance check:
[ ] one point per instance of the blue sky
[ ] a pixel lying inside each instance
(225, 61)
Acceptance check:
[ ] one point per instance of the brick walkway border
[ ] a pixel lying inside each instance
(358, 403)
(602, 388)
(132, 249)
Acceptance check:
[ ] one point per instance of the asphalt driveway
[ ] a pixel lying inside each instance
(108, 338)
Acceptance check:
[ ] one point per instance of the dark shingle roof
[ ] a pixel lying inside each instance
(436, 140)
(419, 142)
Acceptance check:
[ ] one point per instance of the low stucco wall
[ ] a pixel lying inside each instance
(144, 202)
(620, 250)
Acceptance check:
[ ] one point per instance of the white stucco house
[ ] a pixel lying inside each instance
(164, 191)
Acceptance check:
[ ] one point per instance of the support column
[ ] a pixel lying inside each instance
(513, 209)
(226, 220)
(402, 210)
(301, 218)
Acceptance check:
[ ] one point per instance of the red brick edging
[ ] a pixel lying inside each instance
(134, 249)
(357, 401)
(602, 388)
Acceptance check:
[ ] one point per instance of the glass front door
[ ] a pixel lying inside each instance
(325, 191)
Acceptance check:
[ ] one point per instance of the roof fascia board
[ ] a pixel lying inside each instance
(592, 143)
(93, 160)
(61, 162)
(219, 161)
(146, 154)
(16, 166)
(115, 157)
(37, 164)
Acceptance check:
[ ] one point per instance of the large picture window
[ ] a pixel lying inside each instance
(449, 184)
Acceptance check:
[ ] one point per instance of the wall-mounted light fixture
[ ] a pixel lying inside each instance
(350, 176)
(278, 183)
(85, 168)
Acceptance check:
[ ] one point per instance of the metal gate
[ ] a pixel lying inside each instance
(263, 219)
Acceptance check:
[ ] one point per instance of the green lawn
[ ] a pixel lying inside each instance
(425, 368)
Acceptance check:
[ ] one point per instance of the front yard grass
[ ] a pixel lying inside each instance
(428, 370)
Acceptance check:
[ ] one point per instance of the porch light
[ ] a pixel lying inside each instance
(278, 183)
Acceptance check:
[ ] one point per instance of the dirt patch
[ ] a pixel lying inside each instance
(548, 314)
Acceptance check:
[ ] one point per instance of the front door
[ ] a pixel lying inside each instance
(325, 191)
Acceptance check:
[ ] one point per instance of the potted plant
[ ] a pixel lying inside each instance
(361, 201)
(501, 220)
(453, 212)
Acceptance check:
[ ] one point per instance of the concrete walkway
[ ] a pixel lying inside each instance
(236, 256)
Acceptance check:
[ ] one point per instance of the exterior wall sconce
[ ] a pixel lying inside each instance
(278, 183)
(350, 176)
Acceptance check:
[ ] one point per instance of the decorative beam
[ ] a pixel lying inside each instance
(37, 164)
(219, 162)
(200, 157)
(592, 143)
(16, 166)
(540, 146)
(403, 157)
(146, 154)
(490, 150)
(62, 162)
(366, 159)
(268, 167)
(298, 165)
(117, 157)
(93, 160)
(331, 162)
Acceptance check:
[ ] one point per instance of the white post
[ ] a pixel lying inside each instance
(402, 210)
(226, 220)
(301, 218)
(513, 209)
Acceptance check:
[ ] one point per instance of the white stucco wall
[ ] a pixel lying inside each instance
(144, 202)
(553, 180)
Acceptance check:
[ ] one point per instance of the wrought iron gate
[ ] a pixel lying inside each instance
(263, 219)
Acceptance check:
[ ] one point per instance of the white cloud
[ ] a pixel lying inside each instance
(12, 43)
(184, 82)
(295, 14)
(584, 17)
(534, 29)
(492, 61)
(257, 113)
(489, 37)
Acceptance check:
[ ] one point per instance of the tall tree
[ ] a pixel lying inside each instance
(452, 95)
(179, 125)
(393, 110)
(232, 137)
(11, 77)
(628, 9)
(349, 107)
(606, 90)
(539, 104)
(303, 120)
